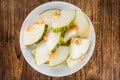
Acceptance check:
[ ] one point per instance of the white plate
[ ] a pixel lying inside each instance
(61, 70)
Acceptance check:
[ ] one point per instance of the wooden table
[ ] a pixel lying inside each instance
(105, 62)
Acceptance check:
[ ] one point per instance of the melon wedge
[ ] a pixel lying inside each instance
(79, 47)
(61, 55)
(54, 40)
(68, 34)
(82, 23)
(46, 16)
(63, 22)
(41, 53)
(34, 33)
(71, 62)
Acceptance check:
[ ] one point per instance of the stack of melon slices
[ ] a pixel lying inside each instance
(60, 36)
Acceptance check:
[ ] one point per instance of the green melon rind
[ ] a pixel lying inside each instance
(48, 10)
(62, 29)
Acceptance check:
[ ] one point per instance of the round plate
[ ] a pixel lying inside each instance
(61, 70)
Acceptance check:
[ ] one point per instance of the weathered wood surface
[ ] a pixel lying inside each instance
(105, 62)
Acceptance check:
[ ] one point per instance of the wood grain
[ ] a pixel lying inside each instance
(105, 62)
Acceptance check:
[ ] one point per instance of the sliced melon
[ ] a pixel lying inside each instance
(34, 33)
(71, 62)
(41, 53)
(79, 47)
(54, 40)
(68, 34)
(82, 23)
(61, 55)
(47, 17)
(65, 19)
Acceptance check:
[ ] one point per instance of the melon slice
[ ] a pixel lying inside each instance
(54, 40)
(79, 47)
(33, 34)
(82, 23)
(60, 56)
(63, 22)
(41, 53)
(47, 16)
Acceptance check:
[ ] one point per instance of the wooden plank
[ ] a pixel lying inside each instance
(12, 63)
(116, 39)
(103, 65)
(92, 70)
